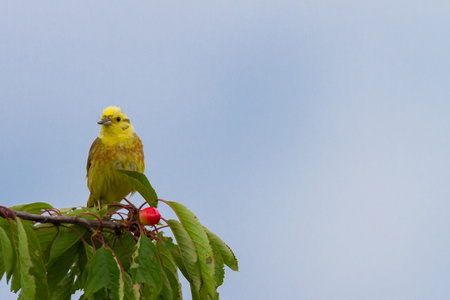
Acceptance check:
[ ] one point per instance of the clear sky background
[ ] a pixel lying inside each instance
(312, 136)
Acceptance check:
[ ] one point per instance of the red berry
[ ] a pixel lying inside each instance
(149, 216)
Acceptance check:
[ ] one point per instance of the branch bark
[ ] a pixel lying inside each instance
(90, 225)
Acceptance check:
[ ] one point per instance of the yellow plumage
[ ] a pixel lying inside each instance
(116, 147)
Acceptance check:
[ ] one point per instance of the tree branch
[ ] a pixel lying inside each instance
(90, 225)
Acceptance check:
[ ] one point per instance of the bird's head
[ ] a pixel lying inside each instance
(115, 123)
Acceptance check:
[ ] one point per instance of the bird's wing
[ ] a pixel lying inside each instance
(97, 142)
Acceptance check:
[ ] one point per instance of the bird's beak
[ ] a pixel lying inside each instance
(105, 121)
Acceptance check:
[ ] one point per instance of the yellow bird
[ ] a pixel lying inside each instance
(116, 147)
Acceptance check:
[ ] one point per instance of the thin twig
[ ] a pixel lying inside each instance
(90, 225)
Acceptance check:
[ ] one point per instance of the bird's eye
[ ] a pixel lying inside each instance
(118, 119)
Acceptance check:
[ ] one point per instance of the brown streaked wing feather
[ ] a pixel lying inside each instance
(140, 151)
(94, 145)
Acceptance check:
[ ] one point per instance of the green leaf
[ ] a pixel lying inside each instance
(203, 248)
(124, 248)
(174, 283)
(141, 184)
(225, 252)
(188, 253)
(15, 278)
(63, 291)
(64, 241)
(166, 291)
(10, 228)
(6, 254)
(165, 246)
(219, 272)
(104, 272)
(145, 292)
(89, 251)
(27, 283)
(171, 256)
(59, 268)
(131, 293)
(195, 295)
(99, 295)
(32, 208)
(37, 270)
(32, 271)
(178, 259)
(82, 270)
(46, 235)
(146, 267)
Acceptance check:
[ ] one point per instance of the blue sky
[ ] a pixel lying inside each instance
(312, 136)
